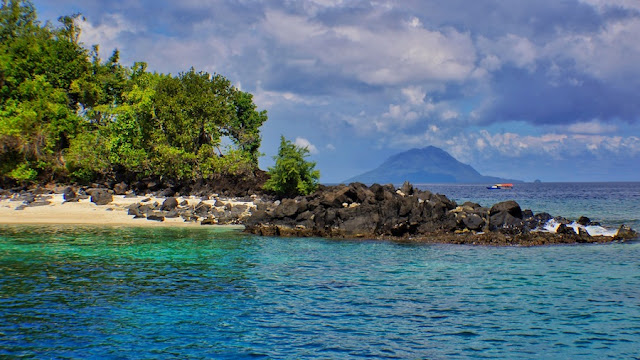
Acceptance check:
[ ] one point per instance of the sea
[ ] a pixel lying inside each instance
(99, 292)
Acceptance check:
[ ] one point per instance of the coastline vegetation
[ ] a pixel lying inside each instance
(292, 175)
(68, 115)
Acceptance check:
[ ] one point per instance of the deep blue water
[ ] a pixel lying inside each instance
(612, 204)
(138, 293)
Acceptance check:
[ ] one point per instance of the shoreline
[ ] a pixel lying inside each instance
(84, 212)
(354, 212)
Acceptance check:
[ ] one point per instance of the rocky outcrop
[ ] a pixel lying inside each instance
(626, 233)
(222, 212)
(381, 211)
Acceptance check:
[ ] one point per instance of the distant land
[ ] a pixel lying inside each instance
(425, 166)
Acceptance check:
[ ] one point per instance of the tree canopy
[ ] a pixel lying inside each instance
(65, 114)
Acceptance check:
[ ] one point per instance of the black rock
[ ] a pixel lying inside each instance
(121, 188)
(173, 213)
(202, 209)
(69, 195)
(101, 197)
(564, 229)
(130, 194)
(169, 203)
(407, 188)
(511, 207)
(39, 203)
(155, 217)
(287, 208)
(473, 222)
(27, 198)
(626, 233)
(166, 193)
(136, 210)
(584, 221)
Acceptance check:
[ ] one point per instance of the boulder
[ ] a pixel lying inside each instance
(202, 209)
(471, 205)
(69, 195)
(407, 188)
(101, 197)
(168, 192)
(155, 217)
(120, 188)
(288, 208)
(27, 198)
(564, 229)
(511, 207)
(173, 213)
(626, 233)
(473, 222)
(335, 198)
(584, 221)
(136, 210)
(169, 203)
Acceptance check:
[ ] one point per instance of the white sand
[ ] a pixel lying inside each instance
(87, 213)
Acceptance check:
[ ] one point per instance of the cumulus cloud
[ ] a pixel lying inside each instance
(108, 33)
(412, 73)
(376, 56)
(513, 49)
(304, 143)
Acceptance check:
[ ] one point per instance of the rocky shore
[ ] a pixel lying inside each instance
(410, 214)
(343, 211)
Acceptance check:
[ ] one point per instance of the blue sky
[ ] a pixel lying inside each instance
(544, 89)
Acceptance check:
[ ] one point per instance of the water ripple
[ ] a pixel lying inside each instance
(199, 293)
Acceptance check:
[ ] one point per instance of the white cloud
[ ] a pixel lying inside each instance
(415, 94)
(478, 147)
(510, 48)
(304, 143)
(415, 22)
(604, 4)
(267, 99)
(593, 127)
(376, 55)
(611, 54)
(107, 34)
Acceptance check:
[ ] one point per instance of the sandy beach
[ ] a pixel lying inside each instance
(84, 212)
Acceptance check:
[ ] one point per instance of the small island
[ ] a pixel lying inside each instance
(83, 133)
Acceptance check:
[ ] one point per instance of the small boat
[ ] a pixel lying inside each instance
(500, 186)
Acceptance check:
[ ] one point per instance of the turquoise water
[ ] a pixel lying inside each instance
(136, 293)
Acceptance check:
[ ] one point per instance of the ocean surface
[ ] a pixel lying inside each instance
(203, 293)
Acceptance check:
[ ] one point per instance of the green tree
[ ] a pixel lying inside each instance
(37, 116)
(192, 109)
(244, 127)
(292, 175)
(64, 113)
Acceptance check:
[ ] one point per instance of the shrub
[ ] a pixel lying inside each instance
(292, 175)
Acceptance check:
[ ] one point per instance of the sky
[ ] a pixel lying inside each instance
(531, 89)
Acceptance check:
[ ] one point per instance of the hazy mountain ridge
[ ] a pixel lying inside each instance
(426, 165)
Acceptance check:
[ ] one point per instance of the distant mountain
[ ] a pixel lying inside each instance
(424, 166)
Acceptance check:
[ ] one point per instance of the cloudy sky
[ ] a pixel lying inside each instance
(532, 89)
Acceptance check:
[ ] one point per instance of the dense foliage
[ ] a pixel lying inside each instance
(292, 175)
(65, 114)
